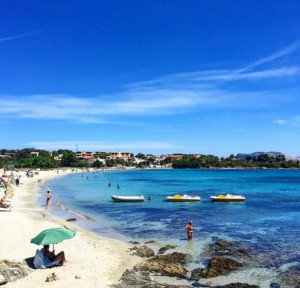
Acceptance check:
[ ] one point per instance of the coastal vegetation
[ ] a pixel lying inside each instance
(211, 161)
(36, 158)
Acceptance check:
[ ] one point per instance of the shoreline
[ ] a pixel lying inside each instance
(92, 260)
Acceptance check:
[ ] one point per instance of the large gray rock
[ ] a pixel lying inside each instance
(11, 271)
(171, 269)
(291, 277)
(141, 279)
(144, 252)
(167, 265)
(228, 248)
(217, 267)
(165, 248)
(133, 278)
(173, 257)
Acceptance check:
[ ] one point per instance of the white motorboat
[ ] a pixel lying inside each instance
(119, 198)
(183, 198)
(228, 198)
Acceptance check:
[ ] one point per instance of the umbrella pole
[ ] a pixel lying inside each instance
(53, 248)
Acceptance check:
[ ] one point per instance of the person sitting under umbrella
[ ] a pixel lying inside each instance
(51, 255)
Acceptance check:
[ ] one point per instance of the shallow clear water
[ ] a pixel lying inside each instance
(268, 221)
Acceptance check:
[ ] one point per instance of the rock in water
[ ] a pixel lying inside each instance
(171, 269)
(165, 248)
(144, 252)
(219, 266)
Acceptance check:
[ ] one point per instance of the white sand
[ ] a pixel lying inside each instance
(96, 261)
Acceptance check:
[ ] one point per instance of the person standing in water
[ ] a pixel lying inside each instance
(189, 230)
(48, 198)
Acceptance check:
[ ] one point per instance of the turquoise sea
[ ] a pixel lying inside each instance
(268, 222)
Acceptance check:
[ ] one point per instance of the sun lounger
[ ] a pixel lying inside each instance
(40, 261)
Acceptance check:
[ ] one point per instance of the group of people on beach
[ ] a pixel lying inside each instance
(4, 182)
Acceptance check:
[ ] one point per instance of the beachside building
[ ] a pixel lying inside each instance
(175, 156)
(195, 155)
(59, 157)
(34, 154)
(5, 156)
(85, 155)
(160, 158)
(127, 156)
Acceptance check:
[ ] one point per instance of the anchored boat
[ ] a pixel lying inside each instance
(228, 198)
(119, 198)
(183, 198)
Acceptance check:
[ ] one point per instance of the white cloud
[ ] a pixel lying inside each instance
(143, 103)
(244, 73)
(219, 75)
(124, 108)
(168, 95)
(292, 121)
(18, 36)
(281, 121)
(270, 58)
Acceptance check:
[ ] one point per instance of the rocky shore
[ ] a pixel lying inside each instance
(224, 257)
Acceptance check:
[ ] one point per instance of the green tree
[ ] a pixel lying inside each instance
(263, 158)
(44, 153)
(24, 153)
(97, 164)
(140, 156)
(280, 158)
(69, 159)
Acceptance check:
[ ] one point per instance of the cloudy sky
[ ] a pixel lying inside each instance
(201, 76)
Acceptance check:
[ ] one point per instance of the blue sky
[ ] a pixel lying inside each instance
(210, 77)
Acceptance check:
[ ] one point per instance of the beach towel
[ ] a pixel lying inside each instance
(5, 209)
(40, 261)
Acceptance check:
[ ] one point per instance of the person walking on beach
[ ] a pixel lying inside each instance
(189, 230)
(48, 198)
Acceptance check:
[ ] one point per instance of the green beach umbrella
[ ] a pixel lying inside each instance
(53, 236)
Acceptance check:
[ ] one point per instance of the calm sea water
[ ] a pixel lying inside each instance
(268, 222)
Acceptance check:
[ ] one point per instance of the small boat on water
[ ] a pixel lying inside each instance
(119, 198)
(183, 198)
(228, 198)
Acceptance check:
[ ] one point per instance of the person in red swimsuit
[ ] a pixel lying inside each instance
(189, 229)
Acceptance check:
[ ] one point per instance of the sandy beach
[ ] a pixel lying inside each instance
(92, 261)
